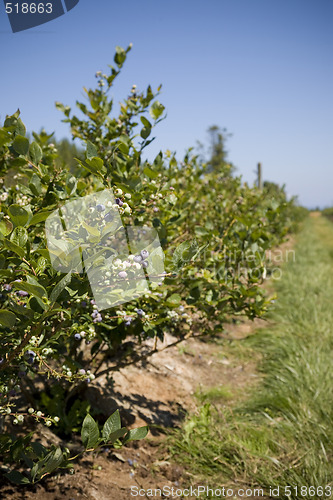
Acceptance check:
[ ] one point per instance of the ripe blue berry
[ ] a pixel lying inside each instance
(119, 202)
(22, 293)
(7, 288)
(77, 336)
(127, 323)
(144, 264)
(137, 258)
(144, 254)
(122, 274)
(100, 207)
(140, 312)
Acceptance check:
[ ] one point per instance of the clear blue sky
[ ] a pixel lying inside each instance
(261, 68)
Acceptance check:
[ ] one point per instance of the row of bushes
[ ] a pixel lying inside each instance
(328, 212)
(213, 228)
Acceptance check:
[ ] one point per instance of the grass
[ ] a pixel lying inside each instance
(283, 434)
(217, 394)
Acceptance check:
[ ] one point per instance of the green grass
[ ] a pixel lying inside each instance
(283, 433)
(217, 394)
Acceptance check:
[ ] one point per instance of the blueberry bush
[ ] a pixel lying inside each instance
(214, 230)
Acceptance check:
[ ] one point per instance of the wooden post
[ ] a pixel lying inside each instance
(259, 176)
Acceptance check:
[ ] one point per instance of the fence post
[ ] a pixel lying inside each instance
(259, 176)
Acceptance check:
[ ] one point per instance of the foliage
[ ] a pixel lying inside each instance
(214, 231)
(42, 461)
(328, 212)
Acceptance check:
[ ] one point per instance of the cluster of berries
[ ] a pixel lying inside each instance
(86, 374)
(129, 319)
(136, 261)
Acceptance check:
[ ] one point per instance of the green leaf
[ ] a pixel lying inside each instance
(20, 127)
(183, 253)
(35, 185)
(94, 166)
(145, 132)
(116, 435)
(174, 300)
(60, 287)
(156, 109)
(35, 290)
(7, 318)
(39, 217)
(150, 173)
(35, 152)
(120, 56)
(89, 432)
(111, 425)
(16, 477)
(91, 150)
(136, 434)
(200, 231)
(93, 231)
(145, 122)
(21, 145)
(12, 119)
(12, 247)
(6, 227)
(19, 236)
(49, 463)
(19, 215)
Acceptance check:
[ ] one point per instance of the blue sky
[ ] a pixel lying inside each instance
(261, 68)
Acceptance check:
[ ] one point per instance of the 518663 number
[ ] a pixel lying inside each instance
(26, 8)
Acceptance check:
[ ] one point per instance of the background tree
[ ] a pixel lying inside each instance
(217, 161)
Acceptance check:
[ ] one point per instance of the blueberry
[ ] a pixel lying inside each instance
(122, 274)
(100, 207)
(7, 288)
(144, 264)
(144, 254)
(128, 323)
(82, 371)
(94, 314)
(88, 380)
(30, 354)
(98, 318)
(22, 293)
(137, 258)
(83, 303)
(139, 312)
(77, 336)
(119, 202)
